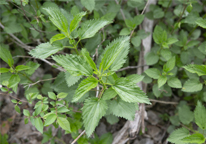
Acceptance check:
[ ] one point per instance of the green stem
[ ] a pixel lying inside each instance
(37, 4)
(60, 140)
(69, 47)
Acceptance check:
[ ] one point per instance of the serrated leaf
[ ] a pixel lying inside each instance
(192, 85)
(87, 57)
(194, 138)
(201, 22)
(185, 115)
(199, 69)
(135, 78)
(115, 54)
(58, 18)
(129, 92)
(88, 4)
(90, 28)
(50, 119)
(122, 109)
(22, 67)
(77, 18)
(161, 81)
(178, 134)
(6, 56)
(52, 95)
(44, 50)
(4, 70)
(64, 123)
(71, 80)
(14, 80)
(174, 82)
(109, 94)
(17, 109)
(169, 65)
(26, 112)
(112, 119)
(74, 64)
(38, 124)
(33, 66)
(57, 37)
(153, 73)
(200, 115)
(84, 87)
(92, 112)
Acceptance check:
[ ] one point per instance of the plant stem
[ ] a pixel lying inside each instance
(60, 140)
(69, 47)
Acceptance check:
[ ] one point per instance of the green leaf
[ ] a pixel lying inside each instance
(62, 109)
(115, 54)
(192, 85)
(13, 81)
(26, 121)
(90, 28)
(62, 95)
(153, 73)
(135, 78)
(26, 112)
(4, 70)
(71, 80)
(14, 101)
(166, 54)
(199, 69)
(174, 82)
(44, 50)
(171, 41)
(169, 65)
(111, 119)
(161, 81)
(17, 109)
(6, 56)
(178, 134)
(33, 66)
(109, 94)
(22, 67)
(159, 35)
(87, 57)
(64, 123)
(38, 124)
(194, 138)
(84, 87)
(201, 22)
(77, 18)
(185, 115)
(124, 31)
(92, 112)
(151, 58)
(58, 19)
(200, 115)
(50, 119)
(74, 64)
(88, 4)
(52, 95)
(129, 92)
(57, 37)
(134, 22)
(122, 109)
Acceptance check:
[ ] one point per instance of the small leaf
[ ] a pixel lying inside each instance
(26, 120)
(185, 115)
(109, 94)
(87, 57)
(169, 65)
(13, 101)
(161, 81)
(33, 66)
(174, 83)
(194, 138)
(135, 78)
(39, 124)
(201, 22)
(178, 134)
(62, 95)
(52, 95)
(62, 109)
(64, 123)
(6, 56)
(50, 119)
(77, 18)
(22, 67)
(124, 32)
(4, 70)
(88, 4)
(153, 73)
(17, 109)
(192, 85)
(199, 69)
(57, 37)
(200, 115)
(13, 81)
(71, 80)
(151, 58)
(26, 112)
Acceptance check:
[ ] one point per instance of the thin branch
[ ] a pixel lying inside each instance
(130, 67)
(13, 97)
(29, 85)
(163, 102)
(78, 137)
(122, 13)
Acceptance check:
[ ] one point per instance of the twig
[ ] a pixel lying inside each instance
(163, 102)
(122, 13)
(130, 67)
(14, 97)
(78, 137)
(39, 82)
(60, 140)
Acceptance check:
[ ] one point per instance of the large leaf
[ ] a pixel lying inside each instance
(44, 50)
(90, 28)
(39, 124)
(87, 57)
(169, 65)
(84, 87)
(195, 138)
(201, 22)
(58, 19)
(6, 56)
(192, 85)
(115, 54)
(161, 81)
(135, 78)
(70, 79)
(57, 37)
(50, 119)
(92, 112)
(174, 82)
(178, 134)
(153, 73)
(64, 123)
(200, 115)
(129, 92)
(185, 115)
(199, 69)
(74, 64)
(77, 18)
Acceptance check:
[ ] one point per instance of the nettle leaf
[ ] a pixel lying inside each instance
(58, 19)
(161, 81)
(92, 112)
(199, 69)
(50, 119)
(123, 109)
(135, 78)
(70, 79)
(153, 73)
(84, 87)
(21, 68)
(195, 138)
(88, 4)
(109, 94)
(178, 134)
(115, 54)
(200, 115)
(74, 64)
(90, 28)
(4, 70)
(87, 57)
(57, 37)
(44, 50)
(38, 124)
(77, 18)
(129, 92)
(192, 85)
(201, 22)
(185, 115)
(64, 123)
(174, 82)
(169, 65)
(6, 56)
